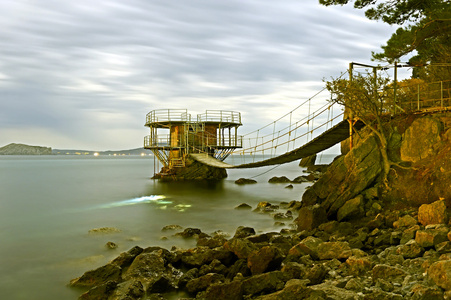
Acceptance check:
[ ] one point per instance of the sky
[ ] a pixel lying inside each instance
(83, 74)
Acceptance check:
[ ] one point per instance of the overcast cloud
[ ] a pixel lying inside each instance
(83, 74)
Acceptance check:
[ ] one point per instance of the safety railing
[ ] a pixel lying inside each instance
(423, 96)
(167, 115)
(220, 116)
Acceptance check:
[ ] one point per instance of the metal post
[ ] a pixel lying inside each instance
(395, 87)
(418, 98)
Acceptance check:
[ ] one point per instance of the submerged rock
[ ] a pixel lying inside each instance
(242, 181)
(104, 230)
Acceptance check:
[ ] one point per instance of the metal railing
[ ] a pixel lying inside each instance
(220, 116)
(423, 96)
(168, 115)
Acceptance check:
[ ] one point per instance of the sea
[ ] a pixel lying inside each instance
(48, 205)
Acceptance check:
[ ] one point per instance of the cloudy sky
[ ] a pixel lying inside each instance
(83, 74)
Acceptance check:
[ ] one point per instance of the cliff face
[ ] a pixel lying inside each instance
(21, 149)
(351, 186)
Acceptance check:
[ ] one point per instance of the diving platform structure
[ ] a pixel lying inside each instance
(174, 135)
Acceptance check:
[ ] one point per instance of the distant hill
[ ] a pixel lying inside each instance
(136, 151)
(21, 149)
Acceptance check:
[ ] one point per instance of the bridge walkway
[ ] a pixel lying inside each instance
(322, 142)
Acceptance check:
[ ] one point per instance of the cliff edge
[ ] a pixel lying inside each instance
(21, 149)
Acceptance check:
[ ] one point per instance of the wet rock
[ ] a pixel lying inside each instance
(172, 227)
(104, 230)
(290, 186)
(243, 206)
(145, 265)
(434, 213)
(310, 217)
(300, 179)
(334, 292)
(101, 275)
(196, 257)
(283, 216)
(281, 179)
(126, 258)
(211, 242)
(243, 231)
(295, 291)
(242, 181)
(111, 245)
(214, 267)
(100, 292)
(440, 273)
(189, 233)
(239, 267)
(265, 207)
(132, 289)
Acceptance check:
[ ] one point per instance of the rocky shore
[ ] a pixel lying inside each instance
(402, 254)
(353, 236)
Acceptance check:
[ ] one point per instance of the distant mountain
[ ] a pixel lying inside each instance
(136, 151)
(21, 149)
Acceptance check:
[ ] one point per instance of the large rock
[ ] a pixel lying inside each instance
(308, 161)
(308, 246)
(266, 258)
(101, 275)
(347, 176)
(310, 217)
(440, 273)
(431, 237)
(352, 208)
(421, 139)
(390, 273)
(434, 213)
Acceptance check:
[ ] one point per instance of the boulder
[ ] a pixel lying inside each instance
(281, 179)
(358, 265)
(300, 179)
(308, 246)
(264, 259)
(440, 273)
(411, 249)
(202, 283)
(243, 231)
(242, 181)
(101, 275)
(146, 265)
(347, 177)
(431, 237)
(100, 292)
(308, 161)
(405, 221)
(310, 217)
(240, 247)
(243, 206)
(331, 250)
(387, 272)
(434, 213)
(189, 233)
(231, 290)
(421, 139)
(351, 209)
(126, 258)
(264, 283)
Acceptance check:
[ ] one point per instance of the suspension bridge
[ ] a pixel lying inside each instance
(315, 125)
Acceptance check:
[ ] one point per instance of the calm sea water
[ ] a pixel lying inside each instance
(48, 205)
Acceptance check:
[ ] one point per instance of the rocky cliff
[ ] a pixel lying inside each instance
(420, 145)
(21, 149)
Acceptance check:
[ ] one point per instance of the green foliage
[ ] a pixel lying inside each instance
(426, 35)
